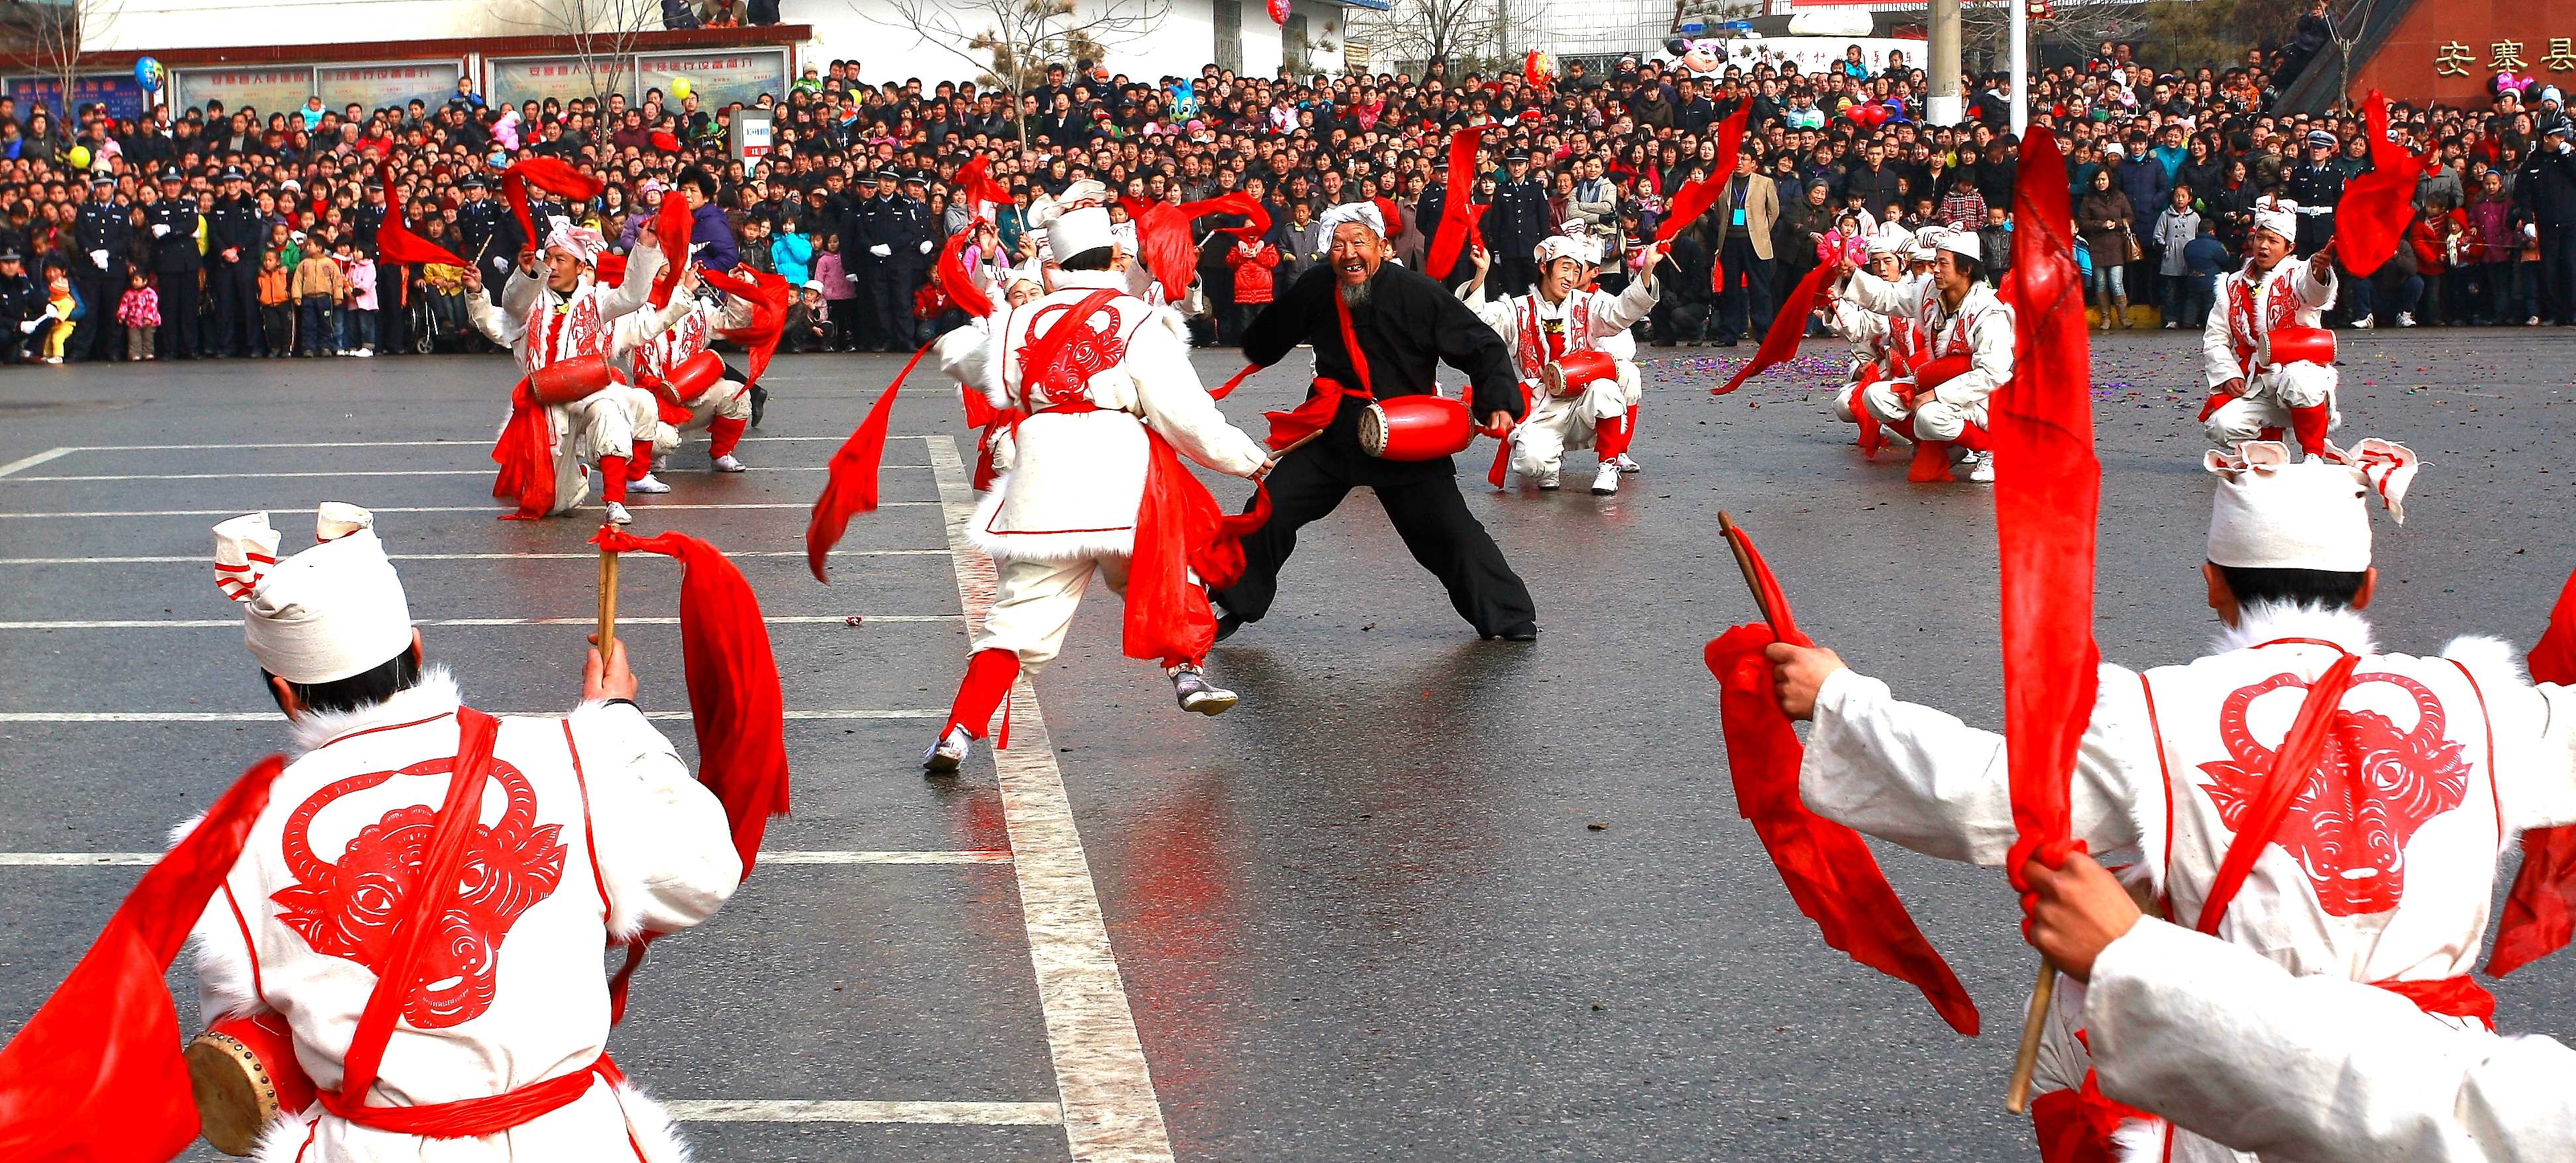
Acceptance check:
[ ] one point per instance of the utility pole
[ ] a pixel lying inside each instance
(1943, 105)
(2020, 67)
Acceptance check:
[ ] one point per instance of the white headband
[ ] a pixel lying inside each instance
(2278, 217)
(580, 242)
(1364, 213)
(1582, 248)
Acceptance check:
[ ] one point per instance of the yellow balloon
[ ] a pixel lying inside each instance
(79, 157)
(680, 88)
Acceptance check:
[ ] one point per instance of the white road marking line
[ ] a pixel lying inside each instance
(143, 859)
(493, 511)
(1111, 1114)
(201, 559)
(982, 1114)
(274, 717)
(584, 620)
(480, 442)
(380, 472)
(26, 462)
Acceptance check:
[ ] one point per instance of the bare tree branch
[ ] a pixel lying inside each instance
(50, 37)
(603, 35)
(1418, 30)
(1012, 41)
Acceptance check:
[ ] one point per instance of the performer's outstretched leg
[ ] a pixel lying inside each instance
(639, 470)
(1303, 489)
(724, 434)
(988, 680)
(1449, 541)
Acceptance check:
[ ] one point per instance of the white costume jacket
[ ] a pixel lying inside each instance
(2237, 339)
(2316, 1069)
(2383, 871)
(657, 354)
(543, 327)
(594, 830)
(1540, 332)
(1077, 462)
(1981, 329)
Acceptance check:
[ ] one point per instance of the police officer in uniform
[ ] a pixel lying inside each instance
(1518, 220)
(175, 265)
(102, 239)
(919, 249)
(884, 228)
(2315, 184)
(490, 232)
(233, 240)
(22, 309)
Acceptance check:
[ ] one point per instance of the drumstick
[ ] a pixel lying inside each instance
(2026, 1059)
(607, 600)
(1293, 446)
(1743, 561)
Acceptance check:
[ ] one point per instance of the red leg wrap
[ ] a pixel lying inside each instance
(2310, 425)
(1931, 462)
(612, 479)
(1610, 437)
(1871, 437)
(1973, 437)
(988, 680)
(640, 464)
(723, 434)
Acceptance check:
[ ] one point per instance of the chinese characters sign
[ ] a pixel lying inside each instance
(2453, 58)
(378, 86)
(265, 90)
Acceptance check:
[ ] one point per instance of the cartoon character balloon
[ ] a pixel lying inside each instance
(149, 73)
(1699, 58)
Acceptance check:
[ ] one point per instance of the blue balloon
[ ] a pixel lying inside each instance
(148, 73)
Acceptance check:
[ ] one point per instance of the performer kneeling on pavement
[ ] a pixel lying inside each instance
(2383, 868)
(1378, 328)
(1101, 377)
(555, 312)
(2298, 1067)
(1970, 350)
(596, 831)
(1563, 316)
(1884, 347)
(2256, 392)
(676, 360)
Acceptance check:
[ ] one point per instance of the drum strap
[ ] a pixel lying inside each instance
(433, 893)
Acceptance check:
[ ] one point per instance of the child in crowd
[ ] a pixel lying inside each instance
(140, 312)
(319, 288)
(2204, 258)
(58, 295)
(276, 306)
(839, 295)
(358, 322)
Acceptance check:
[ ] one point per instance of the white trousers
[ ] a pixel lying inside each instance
(1557, 423)
(727, 400)
(609, 419)
(2269, 396)
(1933, 420)
(1036, 601)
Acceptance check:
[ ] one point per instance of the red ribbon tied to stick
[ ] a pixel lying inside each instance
(2371, 216)
(2540, 912)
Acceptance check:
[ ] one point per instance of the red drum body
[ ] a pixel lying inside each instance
(1575, 372)
(1416, 428)
(244, 1074)
(1940, 371)
(571, 380)
(2303, 345)
(696, 374)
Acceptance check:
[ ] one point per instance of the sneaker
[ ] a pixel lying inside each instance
(951, 750)
(648, 484)
(1980, 468)
(1549, 480)
(2534, 321)
(1606, 481)
(1195, 694)
(617, 515)
(2406, 319)
(727, 463)
(2171, 324)
(1627, 465)
(364, 353)
(2363, 324)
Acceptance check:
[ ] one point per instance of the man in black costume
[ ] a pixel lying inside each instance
(1403, 323)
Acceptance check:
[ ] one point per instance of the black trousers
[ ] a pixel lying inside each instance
(1514, 274)
(99, 335)
(2558, 274)
(1745, 304)
(236, 292)
(177, 338)
(1422, 502)
(888, 294)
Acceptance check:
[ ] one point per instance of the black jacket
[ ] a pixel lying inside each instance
(173, 252)
(102, 227)
(1409, 325)
(235, 224)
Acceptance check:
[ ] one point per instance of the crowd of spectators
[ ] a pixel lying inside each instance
(253, 230)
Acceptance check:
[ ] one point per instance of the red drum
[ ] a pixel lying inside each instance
(1416, 428)
(696, 374)
(244, 1074)
(1568, 376)
(2303, 345)
(1937, 372)
(571, 380)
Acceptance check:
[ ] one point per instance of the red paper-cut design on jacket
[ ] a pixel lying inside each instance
(1089, 351)
(2376, 785)
(347, 909)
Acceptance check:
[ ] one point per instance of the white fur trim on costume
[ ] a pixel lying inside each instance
(2139, 1141)
(434, 694)
(651, 1125)
(283, 1140)
(2261, 622)
(2498, 662)
(1364, 213)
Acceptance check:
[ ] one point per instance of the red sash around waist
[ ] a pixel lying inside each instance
(469, 1118)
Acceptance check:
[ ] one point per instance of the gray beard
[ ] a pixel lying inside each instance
(1356, 295)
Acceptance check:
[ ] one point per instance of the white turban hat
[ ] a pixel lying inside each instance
(2278, 216)
(2275, 513)
(580, 242)
(1075, 231)
(330, 612)
(1364, 213)
(1575, 243)
(1959, 242)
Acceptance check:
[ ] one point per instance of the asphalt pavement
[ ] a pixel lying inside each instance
(1419, 898)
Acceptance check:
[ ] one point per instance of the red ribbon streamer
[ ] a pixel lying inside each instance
(1787, 329)
(395, 242)
(1694, 199)
(850, 485)
(959, 282)
(2048, 495)
(525, 454)
(768, 293)
(2540, 912)
(2371, 217)
(1457, 211)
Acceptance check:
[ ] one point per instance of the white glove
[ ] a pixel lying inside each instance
(925, 248)
(852, 278)
(99, 257)
(29, 327)
(500, 263)
(880, 250)
(160, 229)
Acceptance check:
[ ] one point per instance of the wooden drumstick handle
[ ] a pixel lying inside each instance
(607, 600)
(1744, 562)
(2043, 997)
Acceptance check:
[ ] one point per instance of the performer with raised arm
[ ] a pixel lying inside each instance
(1377, 330)
(491, 1046)
(1107, 393)
(1968, 353)
(2382, 866)
(1580, 393)
(692, 385)
(1884, 347)
(558, 315)
(2268, 360)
